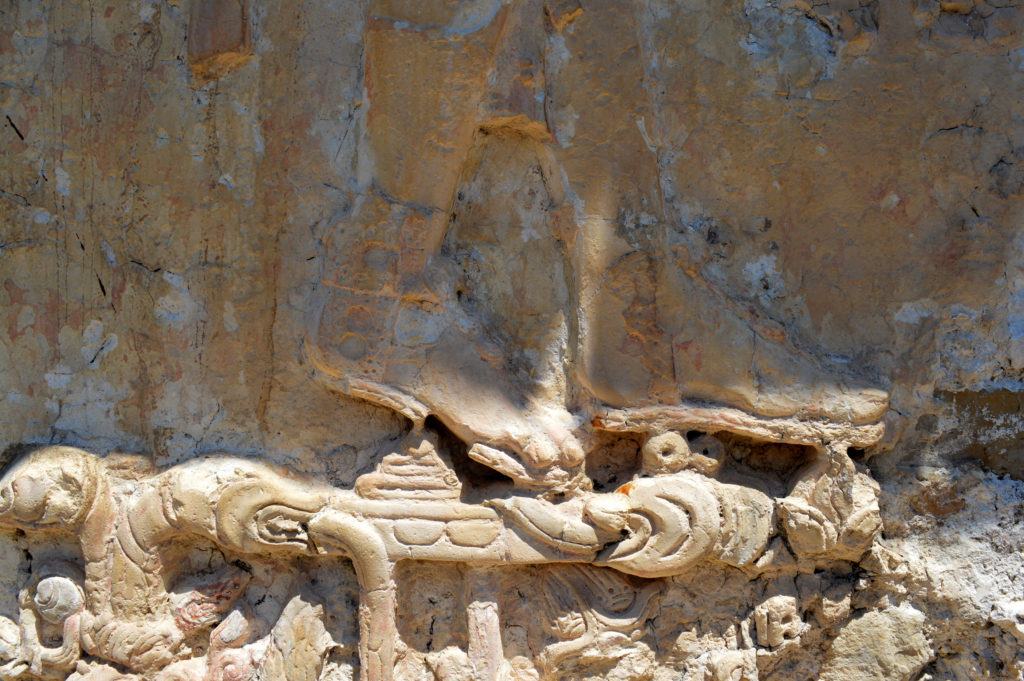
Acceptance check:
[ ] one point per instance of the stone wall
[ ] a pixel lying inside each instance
(742, 278)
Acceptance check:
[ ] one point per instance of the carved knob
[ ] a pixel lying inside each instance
(57, 598)
(670, 453)
(665, 453)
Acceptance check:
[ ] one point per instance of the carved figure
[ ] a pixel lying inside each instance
(438, 302)
(129, 544)
(674, 515)
(518, 318)
(561, 309)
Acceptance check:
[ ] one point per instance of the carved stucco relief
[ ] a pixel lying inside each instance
(136, 602)
(498, 335)
(602, 450)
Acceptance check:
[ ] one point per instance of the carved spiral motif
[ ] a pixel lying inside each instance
(57, 598)
(674, 521)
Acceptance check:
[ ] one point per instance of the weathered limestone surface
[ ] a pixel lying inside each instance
(479, 340)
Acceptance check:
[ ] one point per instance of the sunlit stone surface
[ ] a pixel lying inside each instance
(511, 341)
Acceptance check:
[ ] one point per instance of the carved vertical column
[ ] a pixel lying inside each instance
(339, 532)
(377, 632)
(485, 649)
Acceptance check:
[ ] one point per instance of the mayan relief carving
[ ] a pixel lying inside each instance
(132, 604)
(490, 340)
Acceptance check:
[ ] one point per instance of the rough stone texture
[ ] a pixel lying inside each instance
(783, 208)
(886, 644)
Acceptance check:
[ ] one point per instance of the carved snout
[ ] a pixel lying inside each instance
(52, 486)
(608, 511)
(23, 498)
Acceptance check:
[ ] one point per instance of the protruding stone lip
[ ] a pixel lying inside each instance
(715, 418)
